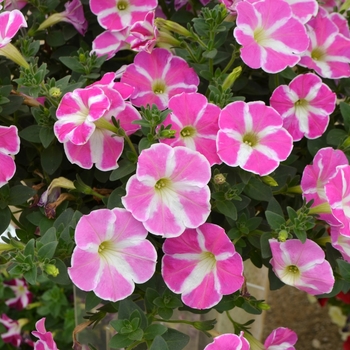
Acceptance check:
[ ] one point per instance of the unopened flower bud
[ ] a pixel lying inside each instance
(82, 58)
(231, 78)
(283, 235)
(55, 92)
(51, 270)
(172, 26)
(167, 134)
(219, 179)
(263, 306)
(269, 180)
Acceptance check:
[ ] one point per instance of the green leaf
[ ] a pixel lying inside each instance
(29, 248)
(55, 38)
(5, 219)
(49, 236)
(91, 301)
(275, 221)
(153, 330)
(227, 208)
(345, 112)
(256, 189)
(136, 335)
(31, 275)
(210, 54)
(120, 341)
(292, 214)
(125, 168)
(301, 234)
(265, 246)
(335, 137)
(73, 64)
(51, 159)
(20, 194)
(31, 133)
(159, 344)
(344, 269)
(46, 136)
(127, 307)
(48, 250)
(175, 339)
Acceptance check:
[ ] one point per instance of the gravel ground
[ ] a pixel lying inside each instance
(291, 308)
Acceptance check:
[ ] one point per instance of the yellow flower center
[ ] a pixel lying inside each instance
(260, 35)
(158, 87)
(162, 184)
(293, 269)
(188, 131)
(251, 139)
(317, 54)
(122, 5)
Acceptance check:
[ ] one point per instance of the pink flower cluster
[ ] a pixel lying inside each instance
(129, 24)
(276, 34)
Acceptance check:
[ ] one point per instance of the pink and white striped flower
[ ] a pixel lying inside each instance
(337, 191)
(157, 76)
(251, 136)
(161, 193)
(22, 295)
(85, 123)
(281, 339)
(328, 52)
(9, 146)
(229, 341)
(13, 331)
(120, 14)
(317, 175)
(305, 105)
(112, 254)
(10, 23)
(340, 238)
(202, 265)
(302, 265)
(14, 5)
(271, 37)
(303, 10)
(46, 341)
(196, 124)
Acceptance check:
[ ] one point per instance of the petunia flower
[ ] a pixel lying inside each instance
(303, 10)
(13, 331)
(251, 136)
(281, 339)
(46, 340)
(340, 239)
(202, 265)
(229, 341)
(328, 52)
(271, 37)
(302, 265)
(22, 295)
(317, 175)
(337, 191)
(161, 193)
(157, 76)
(112, 254)
(11, 5)
(73, 14)
(305, 105)
(85, 123)
(9, 145)
(118, 15)
(196, 124)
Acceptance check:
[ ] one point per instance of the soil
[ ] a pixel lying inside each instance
(291, 308)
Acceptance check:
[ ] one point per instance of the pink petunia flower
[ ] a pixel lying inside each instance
(110, 42)
(229, 341)
(46, 341)
(11, 5)
(271, 37)
(9, 145)
(73, 14)
(196, 124)
(305, 105)
(85, 127)
(281, 339)
(231, 5)
(303, 10)
(302, 265)
(340, 239)
(22, 295)
(157, 76)
(161, 193)
(337, 191)
(202, 265)
(328, 52)
(251, 136)
(118, 15)
(112, 254)
(317, 175)
(10, 23)
(13, 331)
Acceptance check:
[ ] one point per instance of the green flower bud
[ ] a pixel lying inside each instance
(282, 235)
(55, 92)
(51, 270)
(219, 179)
(269, 180)
(231, 78)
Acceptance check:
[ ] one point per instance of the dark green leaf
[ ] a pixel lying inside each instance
(31, 133)
(175, 339)
(91, 301)
(227, 208)
(256, 189)
(335, 137)
(153, 330)
(48, 250)
(125, 168)
(5, 219)
(275, 221)
(344, 268)
(345, 112)
(159, 344)
(51, 159)
(120, 341)
(46, 136)
(20, 194)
